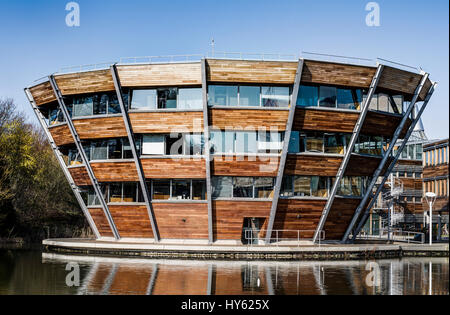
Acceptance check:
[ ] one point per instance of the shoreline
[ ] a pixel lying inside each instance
(242, 252)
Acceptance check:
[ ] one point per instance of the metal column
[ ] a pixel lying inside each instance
(80, 148)
(137, 160)
(284, 152)
(392, 165)
(348, 153)
(207, 152)
(60, 159)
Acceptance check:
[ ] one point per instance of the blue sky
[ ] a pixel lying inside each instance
(37, 42)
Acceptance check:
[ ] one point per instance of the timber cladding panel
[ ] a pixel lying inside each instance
(100, 128)
(244, 71)
(399, 80)
(295, 214)
(115, 171)
(174, 168)
(360, 165)
(43, 93)
(383, 124)
(339, 217)
(160, 75)
(337, 74)
(101, 222)
(312, 165)
(324, 120)
(61, 135)
(435, 170)
(181, 220)
(131, 279)
(174, 280)
(228, 217)
(131, 220)
(80, 176)
(245, 165)
(85, 82)
(248, 119)
(166, 122)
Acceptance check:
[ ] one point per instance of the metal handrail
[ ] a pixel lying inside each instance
(417, 69)
(253, 56)
(397, 235)
(339, 58)
(161, 59)
(89, 67)
(249, 236)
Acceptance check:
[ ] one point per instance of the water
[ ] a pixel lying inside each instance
(33, 272)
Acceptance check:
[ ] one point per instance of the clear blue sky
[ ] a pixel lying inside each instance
(36, 41)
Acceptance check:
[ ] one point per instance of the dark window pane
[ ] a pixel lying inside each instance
(181, 189)
(345, 99)
(115, 149)
(174, 144)
(194, 144)
(314, 142)
(302, 186)
(334, 143)
(198, 190)
(127, 153)
(99, 150)
(115, 192)
(308, 95)
(287, 189)
(319, 186)
(161, 189)
(167, 98)
(264, 187)
(327, 97)
(113, 104)
(129, 192)
(243, 187)
(294, 143)
(222, 187)
(83, 106)
(100, 104)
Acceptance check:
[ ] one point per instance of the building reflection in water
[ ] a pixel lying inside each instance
(186, 277)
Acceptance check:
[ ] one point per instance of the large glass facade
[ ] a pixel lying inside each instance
(242, 187)
(112, 149)
(167, 98)
(305, 186)
(95, 104)
(386, 103)
(246, 142)
(249, 96)
(329, 96)
(173, 144)
(178, 189)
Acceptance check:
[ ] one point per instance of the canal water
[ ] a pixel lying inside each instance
(29, 271)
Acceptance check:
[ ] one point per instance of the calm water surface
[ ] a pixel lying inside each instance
(33, 272)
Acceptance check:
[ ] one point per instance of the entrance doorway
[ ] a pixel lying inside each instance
(251, 229)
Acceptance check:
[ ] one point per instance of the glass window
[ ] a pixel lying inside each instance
(373, 103)
(398, 99)
(83, 106)
(383, 103)
(314, 142)
(113, 103)
(246, 142)
(270, 142)
(143, 99)
(161, 189)
(174, 144)
(411, 155)
(302, 186)
(228, 141)
(327, 96)
(287, 188)
(198, 190)
(99, 150)
(264, 187)
(308, 95)
(216, 142)
(249, 95)
(93, 200)
(243, 187)
(167, 98)
(222, 95)
(181, 189)
(345, 99)
(100, 104)
(55, 116)
(419, 151)
(127, 153)
(194, 144)
(222, 187)
(129, 192)
(273, 96)
(334, 143)
(190, 98)
(153, 145)
(294, 143)
(319, 187)
(115, 192)
(115, 149)
(74, 158)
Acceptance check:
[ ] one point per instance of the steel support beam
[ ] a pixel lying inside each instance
(207, 152)
(136, 157)
(59, 157)
(348, 153)
(284, 152)
(80, 148)
(393, 163)
(385, 158)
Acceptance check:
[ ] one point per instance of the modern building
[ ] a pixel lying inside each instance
(226, 149)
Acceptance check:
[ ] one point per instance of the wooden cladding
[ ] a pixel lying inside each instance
(246, 119)
(296, 215)
(101, 222)
(337, 74)
(173, 280)
(85, 82)
(382, 124)
(131, 221)
(174, 168)
(182, 220)
(339, 217)
(80, 176)
(360, 165)
(312, 165)
(324, 120)
(244, 71)
(99, 128)
(160, 75)
(131, 279)
(245, 165)
(115, 171)
(167, 122)
(228, 217)
(61, 134)
(398, 80)
(432, 171)
(43, 93)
